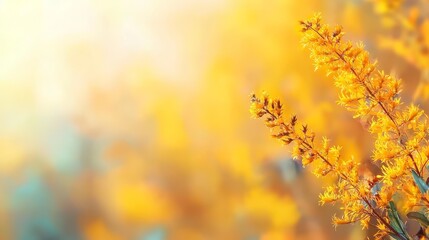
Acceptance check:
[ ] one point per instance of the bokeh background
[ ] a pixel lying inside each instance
(129, 119)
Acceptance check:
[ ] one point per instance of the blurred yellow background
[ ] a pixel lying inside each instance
(129, 119)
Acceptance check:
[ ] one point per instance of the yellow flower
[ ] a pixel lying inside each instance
(401, 144)
(329, 195)
(364, 222)
(382, 230)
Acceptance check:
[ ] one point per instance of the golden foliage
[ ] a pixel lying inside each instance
(401, 134)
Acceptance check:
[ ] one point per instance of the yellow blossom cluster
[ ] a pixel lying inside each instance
(401, 148)
(354, 195)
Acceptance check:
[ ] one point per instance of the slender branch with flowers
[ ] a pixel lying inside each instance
(401, 146)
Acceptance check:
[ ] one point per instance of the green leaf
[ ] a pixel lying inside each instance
(420, 217)
(396, 222)
(395, 237)
(421, 184)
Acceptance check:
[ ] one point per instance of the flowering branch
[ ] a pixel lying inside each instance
(401, 146)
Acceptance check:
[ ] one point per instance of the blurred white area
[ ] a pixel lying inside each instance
(53, 52)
